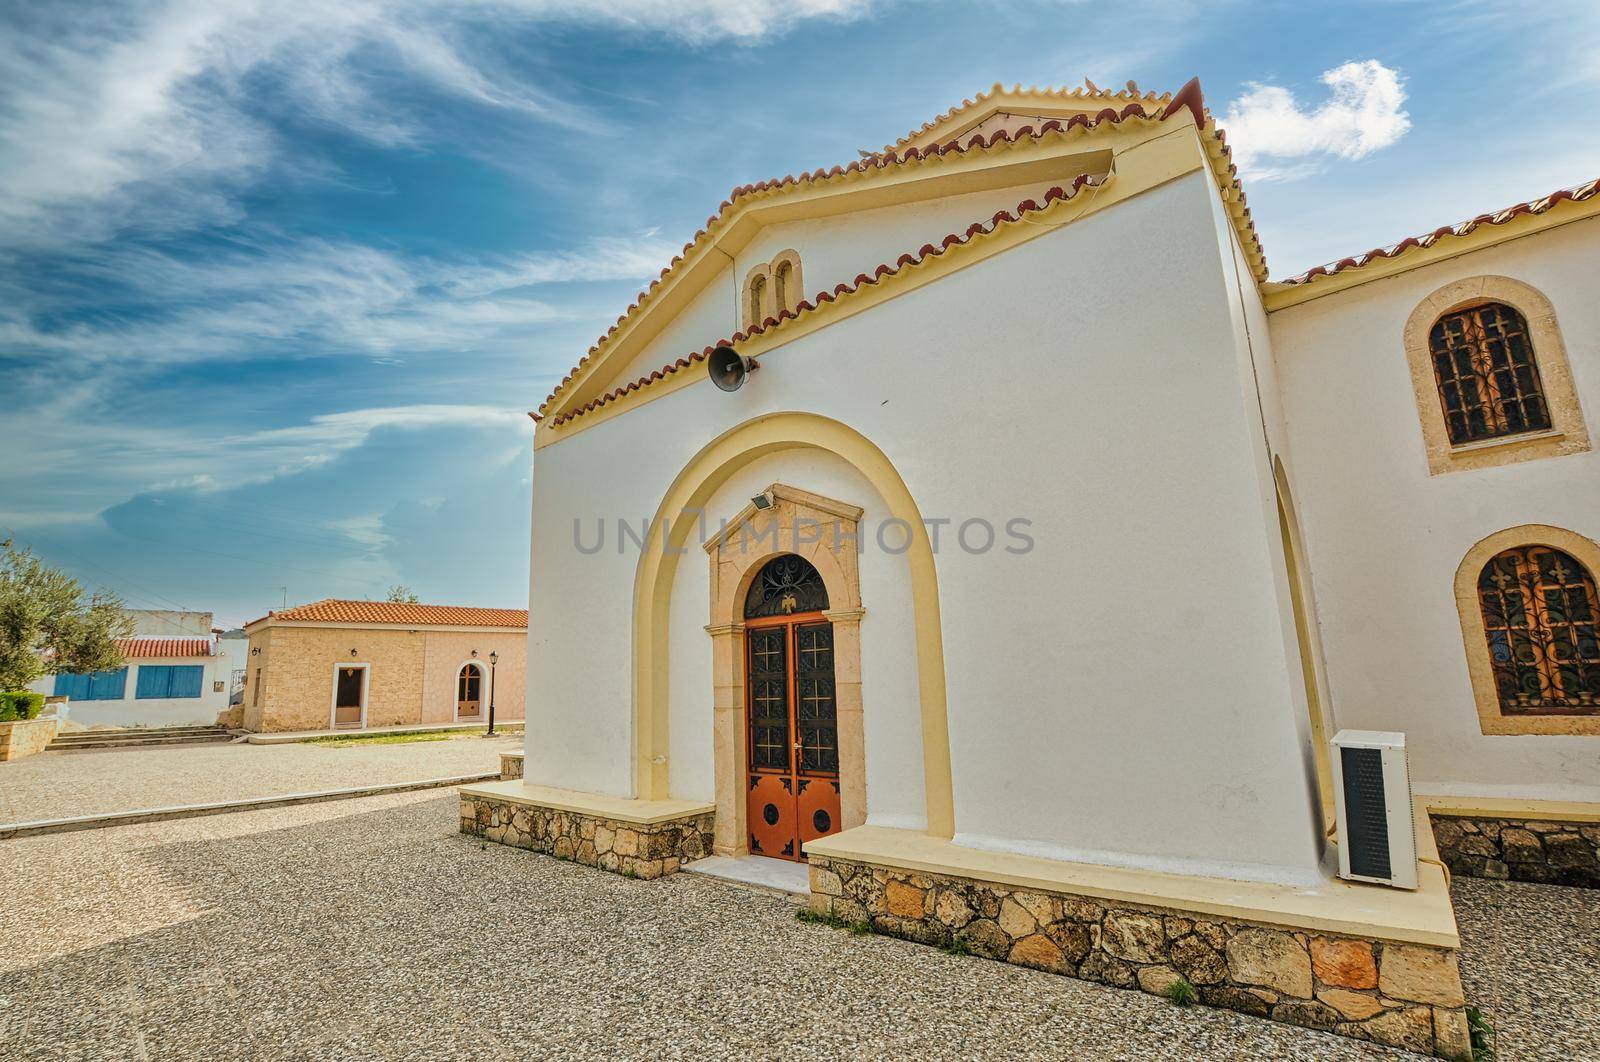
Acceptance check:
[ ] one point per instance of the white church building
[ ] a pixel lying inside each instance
(979, 523)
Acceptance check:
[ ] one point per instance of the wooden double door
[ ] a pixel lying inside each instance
(792, 733)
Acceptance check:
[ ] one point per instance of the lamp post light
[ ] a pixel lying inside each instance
(494, 657)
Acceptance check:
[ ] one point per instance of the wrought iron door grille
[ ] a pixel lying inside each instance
(769, 699)
(1539, 615)
(786, 585)
(1488, 380)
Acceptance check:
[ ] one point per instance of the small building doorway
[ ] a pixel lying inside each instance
(791, 710)
(469, 692)
(350, 697)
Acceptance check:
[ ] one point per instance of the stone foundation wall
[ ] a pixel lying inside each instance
(24, 737)
(1551, 853)
(510, 766)
(1399, 995)
(632, 849)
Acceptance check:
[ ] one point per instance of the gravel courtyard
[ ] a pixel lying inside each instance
(371, 929)
(56, 785)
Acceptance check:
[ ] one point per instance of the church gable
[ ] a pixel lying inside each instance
(1116, 153)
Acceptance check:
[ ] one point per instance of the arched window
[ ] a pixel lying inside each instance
(785, 585)
(782, 284)
(1483, 363)
(1539, 616)
(758, 302)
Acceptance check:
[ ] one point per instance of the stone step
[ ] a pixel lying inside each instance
(139, 742)
(89, 736)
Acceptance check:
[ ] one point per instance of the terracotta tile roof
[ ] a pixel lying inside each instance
(335, 610)
(152, 648)
(1189, 98)
(1090, 93)
(1575, 194)
(908, 261)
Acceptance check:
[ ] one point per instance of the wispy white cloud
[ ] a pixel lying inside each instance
(1274, 137)
(329, 297)
(143, 117)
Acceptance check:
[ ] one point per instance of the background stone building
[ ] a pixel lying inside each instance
(359, 664)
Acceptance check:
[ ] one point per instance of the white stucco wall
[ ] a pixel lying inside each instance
(152, 711)
(1384, 538)
(1121, 692)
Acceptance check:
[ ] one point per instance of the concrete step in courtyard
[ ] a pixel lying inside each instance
(135, 738)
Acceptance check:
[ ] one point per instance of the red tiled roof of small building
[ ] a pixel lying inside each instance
(336, 610)
(162, 648)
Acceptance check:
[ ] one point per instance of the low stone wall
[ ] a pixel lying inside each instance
(637, 850)
(510, 766)
(1399, 995)
(1551, 853)
(24, 737)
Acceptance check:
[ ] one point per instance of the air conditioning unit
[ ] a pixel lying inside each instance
(1372, 795)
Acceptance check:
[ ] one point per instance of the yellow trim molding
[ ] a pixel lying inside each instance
(658, 563)
(1490, 719)
(1567, 435)
(1512, 808)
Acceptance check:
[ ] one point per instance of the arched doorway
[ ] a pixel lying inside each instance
(791, 710)
(469, 692)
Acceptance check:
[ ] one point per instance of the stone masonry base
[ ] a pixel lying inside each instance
(1551, 853)
(1400, 995)
(510, 766)
(632, 849)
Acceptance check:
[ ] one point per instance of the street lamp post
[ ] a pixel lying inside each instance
(494, 656)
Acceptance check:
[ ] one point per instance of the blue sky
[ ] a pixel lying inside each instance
(280, 280)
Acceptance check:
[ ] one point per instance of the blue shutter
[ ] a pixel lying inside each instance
(64, 685)
(186, 680)
(155, 680)
(107, 685)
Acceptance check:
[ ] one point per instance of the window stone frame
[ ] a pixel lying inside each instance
(1567, 433)
(1479, 667)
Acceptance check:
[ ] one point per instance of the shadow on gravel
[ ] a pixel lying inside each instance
(385, 933)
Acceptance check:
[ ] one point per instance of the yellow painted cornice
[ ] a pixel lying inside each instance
(1141, 166)
(1441, 245)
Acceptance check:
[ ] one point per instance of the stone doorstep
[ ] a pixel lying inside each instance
(648, 844)
(1400, 995)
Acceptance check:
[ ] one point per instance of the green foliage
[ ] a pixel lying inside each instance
(1482, 1034)
(20, 705)
(956, 946)
(48, 624)
(406, 738)
(401, 595)
(1182, 993)
(833, 921)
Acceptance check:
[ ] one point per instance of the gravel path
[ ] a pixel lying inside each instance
(1532, 965)
(371, 929)
(60, 784)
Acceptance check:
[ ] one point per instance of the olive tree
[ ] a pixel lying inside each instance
(50, 624)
